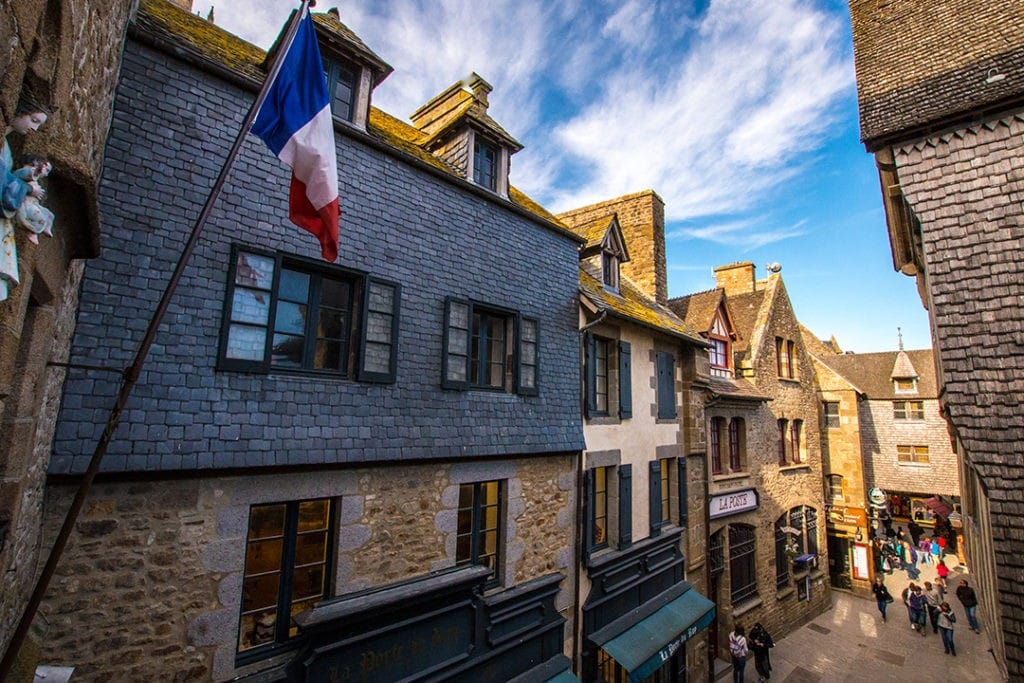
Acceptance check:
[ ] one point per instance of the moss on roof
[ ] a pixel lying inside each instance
(594, 231)
(212, 44)
(632, 304)
(698, 309)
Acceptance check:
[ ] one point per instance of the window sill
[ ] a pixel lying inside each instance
(817, 574)
(795, 468)
(900, 463)
(746, 606)
(603, 420)
(785, 593)
(731, 476)
(790, 380)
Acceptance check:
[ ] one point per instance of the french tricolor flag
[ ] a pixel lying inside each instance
(295, 121)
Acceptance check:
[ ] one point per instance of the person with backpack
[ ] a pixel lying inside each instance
(738, 650)
(760, 642)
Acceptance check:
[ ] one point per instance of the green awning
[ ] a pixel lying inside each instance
(564, 677)
(644, 648)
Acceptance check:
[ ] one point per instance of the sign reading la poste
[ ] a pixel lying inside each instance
(733, 503)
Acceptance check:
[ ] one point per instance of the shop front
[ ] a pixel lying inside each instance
(640, 614)
(850, 556)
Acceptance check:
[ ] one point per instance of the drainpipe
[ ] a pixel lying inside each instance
(707, 547)
(577, 619)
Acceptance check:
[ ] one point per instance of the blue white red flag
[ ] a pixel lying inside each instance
(295, 121)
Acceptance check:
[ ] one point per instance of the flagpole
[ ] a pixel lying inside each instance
(131, 374)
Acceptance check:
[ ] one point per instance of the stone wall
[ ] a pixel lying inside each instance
(67, 52)
(966, 187)
(154, 570)
(642, 219)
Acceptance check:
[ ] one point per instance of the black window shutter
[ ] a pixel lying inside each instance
(590, 404)
(654, 502)
(666, 386)
(458, 324)
(378, 347)
(625, 506)
(527, 356)
(684, 515)
(625, 381)
(588, 511)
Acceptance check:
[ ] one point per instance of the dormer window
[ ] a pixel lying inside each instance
(721, 347)
(610, 270)
(485, 164)
(342, 84)
(905, 386)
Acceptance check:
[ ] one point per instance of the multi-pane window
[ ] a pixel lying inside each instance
(835, 487)
(719, 350)
(600, 507)
(783, 430)
(342, 82)
(485, 164)
(483, 345)
(667, 466)
(831, 409)
(785, 358)
(737, 444)
(796, 428)
(782, 541)
(289, 314)
(912, 453)
(742, 570)
(908, 410)
(715, 429)
(811, 526)
(716, 553)
(286, 556)
(478, 539)
(610, 270)
(601, 354)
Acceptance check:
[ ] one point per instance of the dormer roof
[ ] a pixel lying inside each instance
(602, 234)
(699, 310)
(462, 103)
(903, 368)
(335, 35)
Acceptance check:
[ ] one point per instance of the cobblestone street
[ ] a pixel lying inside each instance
(851, 643)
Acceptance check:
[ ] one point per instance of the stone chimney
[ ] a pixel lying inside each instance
(642, 219)
(438, 112)
(736, 278)
(184, 4)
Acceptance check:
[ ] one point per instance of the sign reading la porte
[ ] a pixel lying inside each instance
(733, 503)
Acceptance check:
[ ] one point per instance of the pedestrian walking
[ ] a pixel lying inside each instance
(942, 571)
(946, 621)
(933, 596)
(738, 650)
(761, 642)
(882, 595)
(918, 608)
(967, 597)
(915, 531)
(924, 551)
(905, 596)
(936, 551)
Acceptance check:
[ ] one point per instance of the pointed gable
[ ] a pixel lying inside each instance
(903, 368)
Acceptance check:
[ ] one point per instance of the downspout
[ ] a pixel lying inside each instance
(707, 546)
(577, 655)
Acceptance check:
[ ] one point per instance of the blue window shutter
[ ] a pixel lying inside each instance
(654, 502)
(590, 404)
(684, 515)
(625, 506)
(625, 381)
(666, 386)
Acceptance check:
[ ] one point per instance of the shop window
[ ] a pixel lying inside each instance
(286, 569)
(742, 569)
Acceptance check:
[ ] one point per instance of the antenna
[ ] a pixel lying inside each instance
(899, 333)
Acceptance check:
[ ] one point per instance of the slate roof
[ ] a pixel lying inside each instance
(594, 231)
(192, 37)
(872, 373)
(925, 64)
(736, 388)
(632, 305)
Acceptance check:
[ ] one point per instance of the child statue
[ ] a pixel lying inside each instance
(32, 215)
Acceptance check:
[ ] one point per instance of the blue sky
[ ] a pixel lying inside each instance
(740, 114)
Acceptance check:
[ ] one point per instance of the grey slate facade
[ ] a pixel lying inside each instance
(172, 534)
(398, 222)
